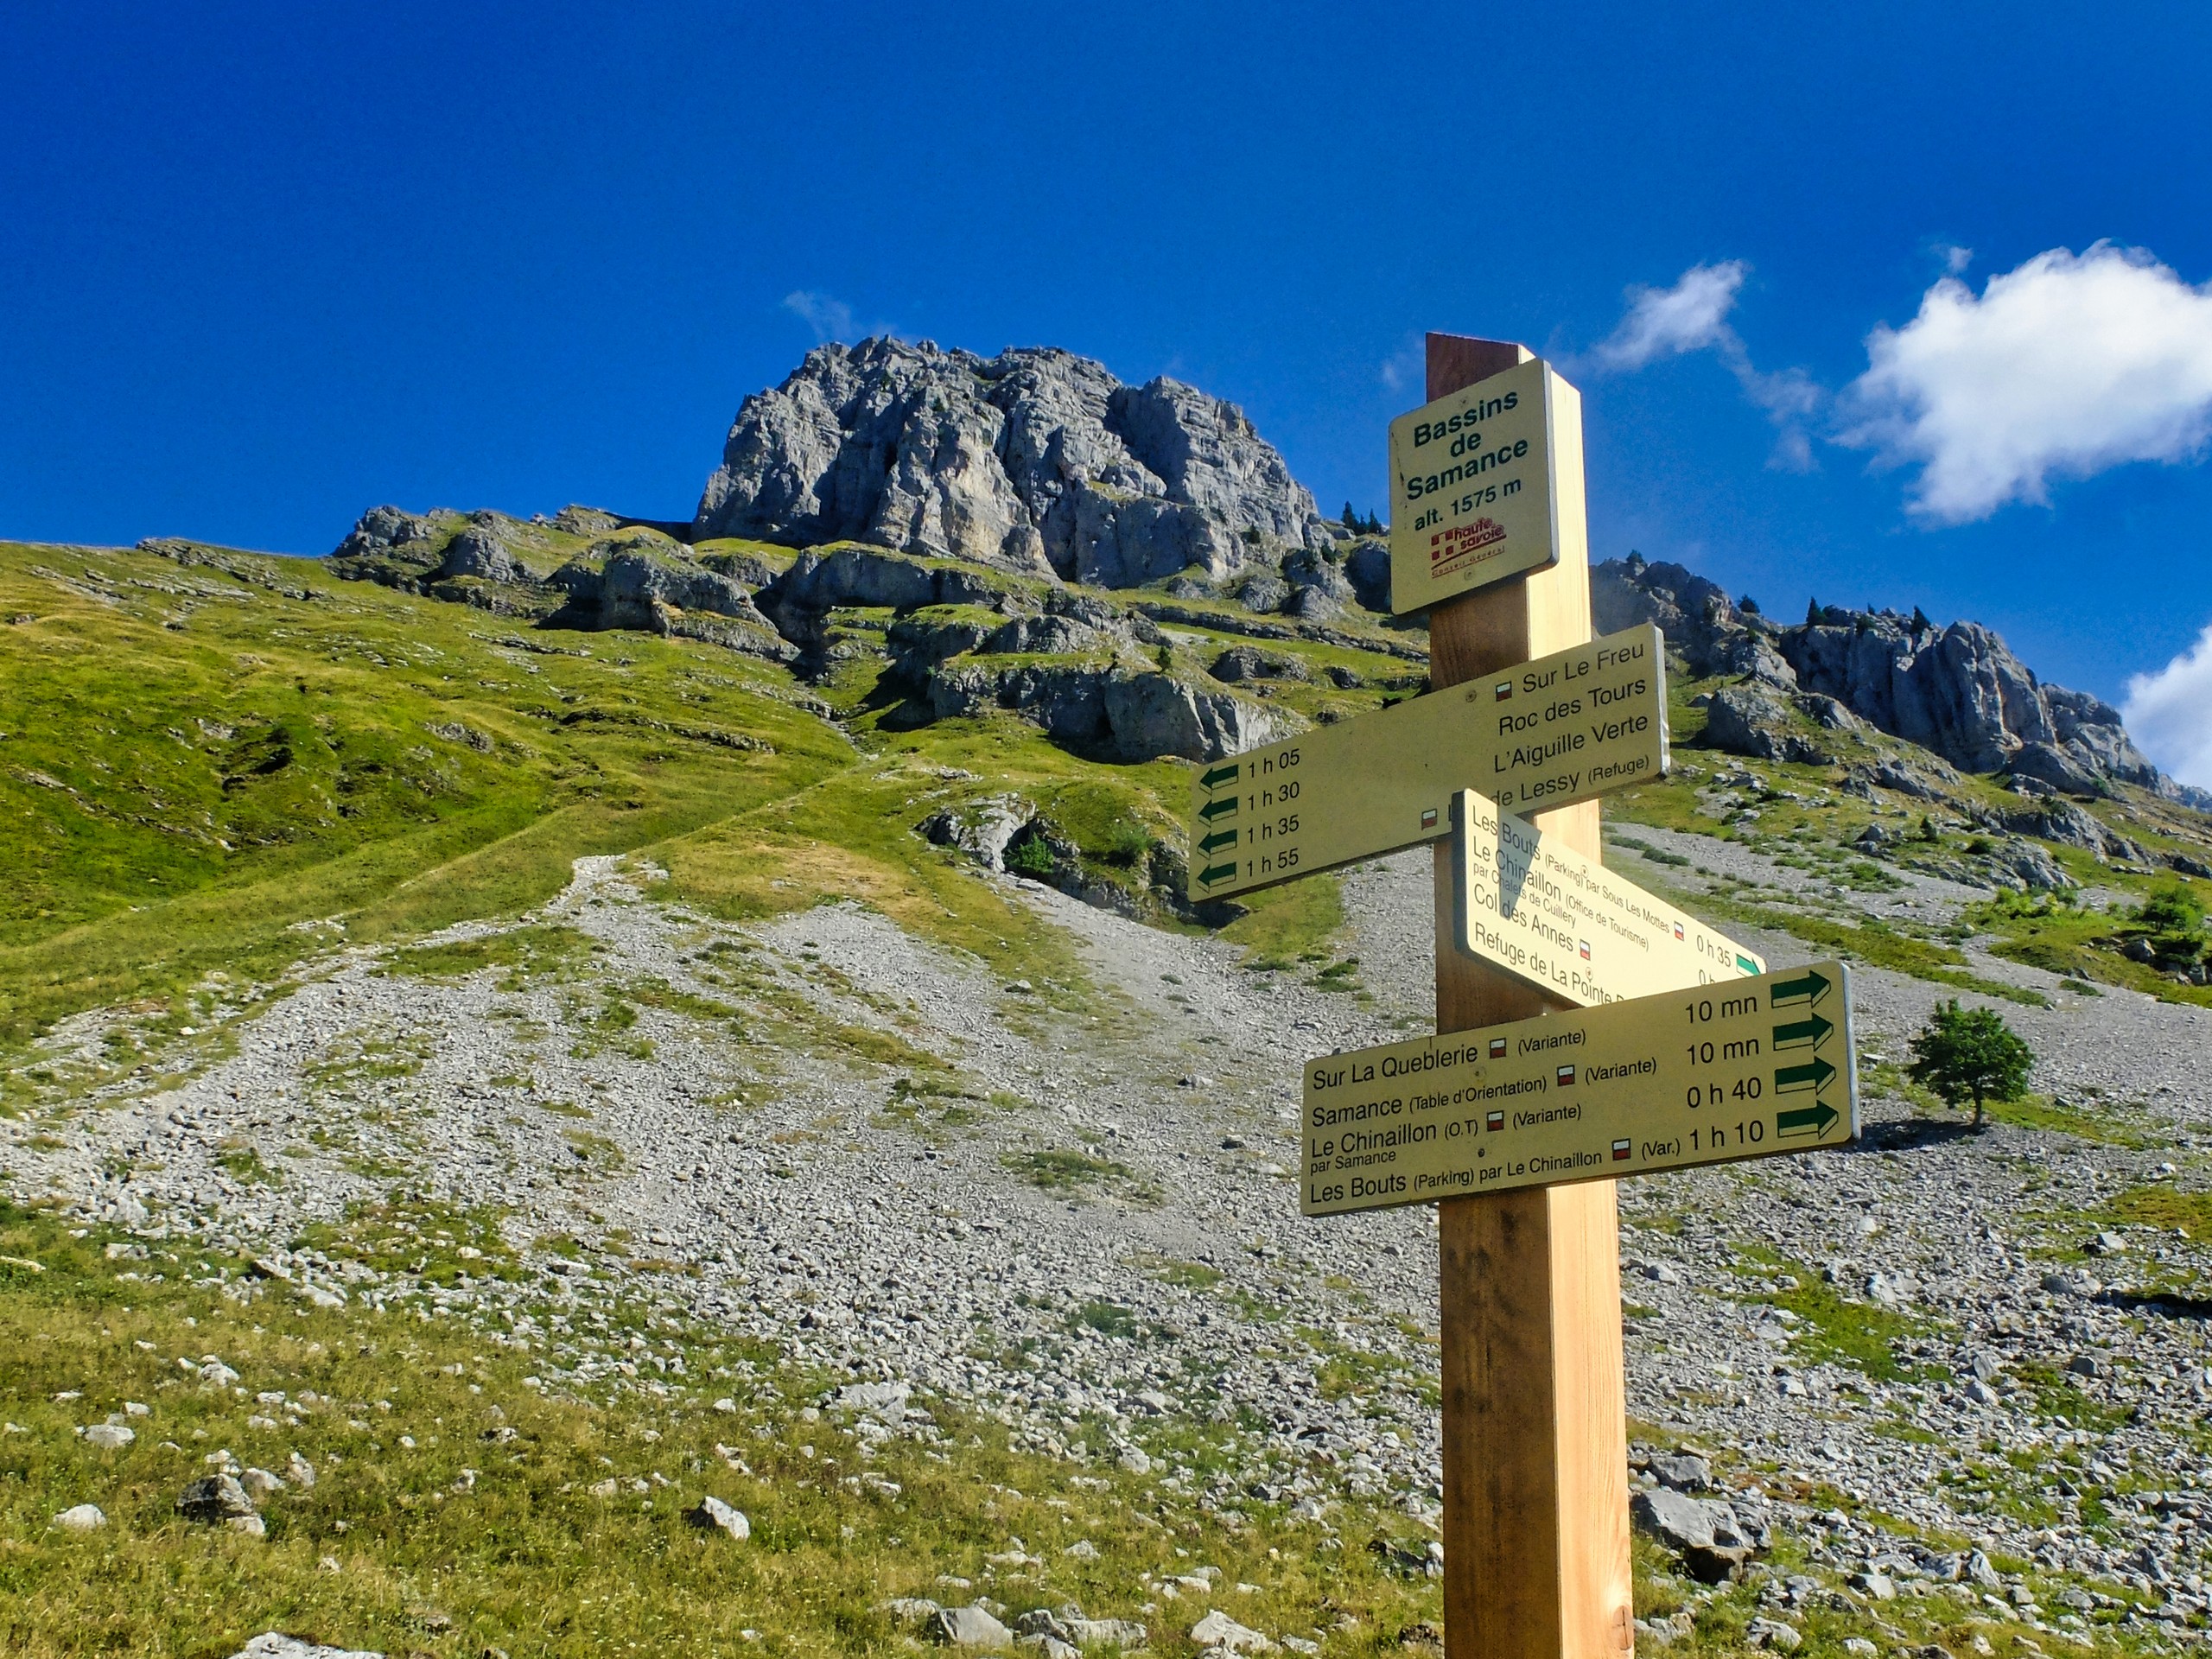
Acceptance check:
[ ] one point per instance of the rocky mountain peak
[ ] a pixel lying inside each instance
(1958, 690)
(1036, 460)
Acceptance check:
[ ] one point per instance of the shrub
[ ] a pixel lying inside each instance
(1970, 1054)
(1031, 854)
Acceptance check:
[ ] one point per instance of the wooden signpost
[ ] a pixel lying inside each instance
(1516, 1131)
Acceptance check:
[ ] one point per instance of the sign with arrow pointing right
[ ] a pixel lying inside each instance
(1740, 1068)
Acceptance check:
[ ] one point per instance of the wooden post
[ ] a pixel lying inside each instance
(1536, 1438)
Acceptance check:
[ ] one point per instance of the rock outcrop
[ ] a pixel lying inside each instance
(668, 597)
(1127, 715)
(1957, 691)
(1035, 459)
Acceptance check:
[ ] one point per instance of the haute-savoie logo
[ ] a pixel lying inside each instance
(1459, 541)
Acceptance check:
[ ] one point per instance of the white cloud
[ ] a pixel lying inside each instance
(2168, 714)
(831, 318)
(2067, 367)
(1668, 322)
(1693, 316)
(1407, 367)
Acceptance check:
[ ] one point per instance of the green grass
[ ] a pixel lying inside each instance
(1831, 1329)
(1874, 943)
(2163, 1204)
(528, 954)
(2105, 1127)
(1068, 1172)
(268, 777)
(487, 1530)
(1285, 924)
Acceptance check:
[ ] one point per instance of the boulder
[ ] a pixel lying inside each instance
(2047, 764)
(1152, 715)
(1682, 1471)
(711, 1514)
(274, 1645)
(1710, 1540)
(983, 829)
(1133, 715)
(381, 529)
(214, 1498)
(883, 1400)
(81, 1517)
(1263, 591)
(1746, 719)
(478, 552)
(2031, 866)
(1367, 568)
(1242, 663)
(967, 1627)
(1218, 1631)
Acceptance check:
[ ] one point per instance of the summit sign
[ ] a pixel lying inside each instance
(1485, 483)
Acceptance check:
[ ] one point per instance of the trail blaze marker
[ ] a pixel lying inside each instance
(1566, 924)
(1689, 1076)
(1485, 483)
(1562, 728)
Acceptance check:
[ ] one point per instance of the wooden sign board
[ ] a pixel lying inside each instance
(1485, 483)
(1742, 1069)
(1563, 728)
(1568, 925)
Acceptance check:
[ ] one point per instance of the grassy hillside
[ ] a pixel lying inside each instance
(217, 763)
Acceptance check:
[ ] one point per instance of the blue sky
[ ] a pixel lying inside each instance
(264, 266)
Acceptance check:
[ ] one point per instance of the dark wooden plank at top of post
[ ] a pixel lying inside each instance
(1535, 1500)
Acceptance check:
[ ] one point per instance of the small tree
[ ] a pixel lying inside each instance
(1352, 518)
(1970, 1054)
(2173, 910)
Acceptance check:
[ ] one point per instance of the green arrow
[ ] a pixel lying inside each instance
(1814, 1074)
(1214, 873)
(1810, 986)
(1816, 1121)
(1745, 965)
(1219, 839)
(1811, 1029)
(1220, 809)
(1217, 777)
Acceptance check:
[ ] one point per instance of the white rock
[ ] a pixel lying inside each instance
(260, 1485)
(713, 1512)
(272, 1644)
(968, 1627)
(1217, 1630)
(83, 1517)
(109, 1437)
(299, 1470)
